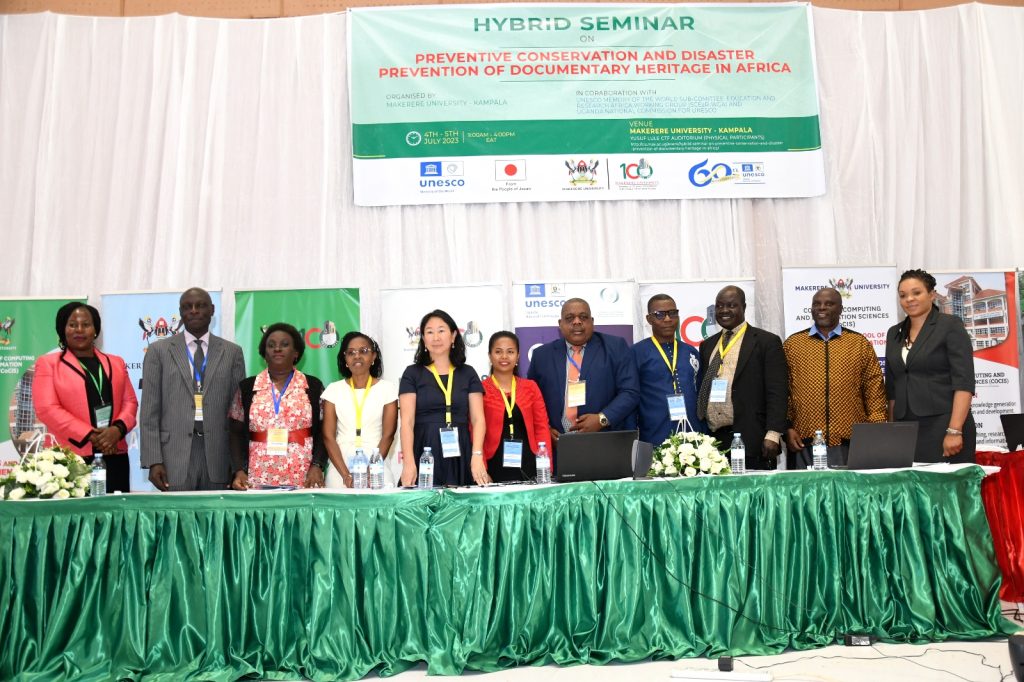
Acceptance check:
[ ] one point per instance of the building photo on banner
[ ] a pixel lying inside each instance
(26, 332)
(537, 307)
(555, 102)
(696, 303)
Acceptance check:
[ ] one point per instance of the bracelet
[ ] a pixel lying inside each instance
(953, 432)
(478, 452)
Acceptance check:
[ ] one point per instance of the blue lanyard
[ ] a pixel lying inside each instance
(197, 374)
(277, 397)
(568, 355)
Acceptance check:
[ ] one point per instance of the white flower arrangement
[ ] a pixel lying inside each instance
(55, 473)
(689, 454)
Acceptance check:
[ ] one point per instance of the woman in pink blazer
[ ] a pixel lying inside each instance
(84, 397)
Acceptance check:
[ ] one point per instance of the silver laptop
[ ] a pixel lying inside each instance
(600, 456)
(885, 445)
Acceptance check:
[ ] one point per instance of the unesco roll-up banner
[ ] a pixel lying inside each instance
(132, 322)
(537, 306)
(26, 332)
(322, 316)
(478, 310)
(868, 294)
(696, 302)
(987, 303)
(575, 102)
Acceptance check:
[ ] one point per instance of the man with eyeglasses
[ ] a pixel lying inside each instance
(669, 374)
(588, 379)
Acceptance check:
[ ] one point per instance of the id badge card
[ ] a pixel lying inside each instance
(277, 442)
(577, 393)
(513, 454)
(450, 442)
(676, 407)
(199, 406)
(102, 414)
(718, 390)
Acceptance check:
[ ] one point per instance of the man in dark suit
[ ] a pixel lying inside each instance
(746, 382)
(188, 382)
(588, 379)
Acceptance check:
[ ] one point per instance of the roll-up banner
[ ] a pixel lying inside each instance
(478, 310)
(696, 302)
(132, 322)
(537, 306)
(322, 316)
(987, 303)
(868, 294)
(26, 332)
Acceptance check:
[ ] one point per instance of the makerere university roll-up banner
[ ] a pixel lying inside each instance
(537, 307)
(322, 316)
(696, 302)
(559, 102)
(987, 304)
(26, 332)
(132, 322)
(868, 294)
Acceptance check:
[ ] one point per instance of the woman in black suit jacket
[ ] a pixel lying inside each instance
(929, 373)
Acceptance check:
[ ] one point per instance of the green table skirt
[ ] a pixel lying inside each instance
(326, 587)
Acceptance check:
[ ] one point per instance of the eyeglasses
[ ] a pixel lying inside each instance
(665, 314)
(353, 352)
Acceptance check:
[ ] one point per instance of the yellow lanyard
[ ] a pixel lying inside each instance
(671, 365)
(509, 406)
(359, 405)
(447, 392)
(722, 352)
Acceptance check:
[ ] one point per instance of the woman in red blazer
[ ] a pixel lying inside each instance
(515, 414)
(84, 397)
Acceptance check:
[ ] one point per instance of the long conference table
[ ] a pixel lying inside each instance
(336, 585)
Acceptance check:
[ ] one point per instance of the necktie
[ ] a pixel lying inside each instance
(197, 362)
(574, 375)
(713, 366)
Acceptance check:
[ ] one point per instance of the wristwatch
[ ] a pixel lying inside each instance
(603, 419)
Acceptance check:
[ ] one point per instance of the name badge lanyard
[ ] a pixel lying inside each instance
(102, 413)
(676, 401)
(278, 397)
(722, 352)
(358, 405)
(197, 373)
(671, 365)
(509, 405)
(447, 390)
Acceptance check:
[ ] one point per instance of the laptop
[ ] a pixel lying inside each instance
(599, 456)
(1013, 429)
(884, 445)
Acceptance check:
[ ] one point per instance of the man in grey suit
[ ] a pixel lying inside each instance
(188, 383)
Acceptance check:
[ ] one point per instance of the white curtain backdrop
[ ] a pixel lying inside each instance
(164, 152)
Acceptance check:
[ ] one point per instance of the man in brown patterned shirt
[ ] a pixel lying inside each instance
(835, 381)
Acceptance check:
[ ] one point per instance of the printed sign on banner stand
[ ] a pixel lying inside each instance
(26, 332)
(986, 302)
(476, 309)
(322, 316)
(132, 322)
(696, 302)
(537, 307)
(868, 293)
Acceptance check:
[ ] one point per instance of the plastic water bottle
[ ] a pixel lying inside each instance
(819, 452)
(359, 466)
(543, 463)
(426, 479)
(737, 455)
(376, 470)
(98, 476)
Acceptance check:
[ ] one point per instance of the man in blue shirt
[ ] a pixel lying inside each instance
(669, 375)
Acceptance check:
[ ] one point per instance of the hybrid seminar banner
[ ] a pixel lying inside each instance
(564, 102)
(696, 302)
(26, 332)
(537, 306)
(987, 304)
(322, 316)
(868, 294)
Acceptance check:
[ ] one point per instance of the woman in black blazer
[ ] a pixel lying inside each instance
(929, 373)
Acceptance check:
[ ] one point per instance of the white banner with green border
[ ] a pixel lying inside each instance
(555, 102)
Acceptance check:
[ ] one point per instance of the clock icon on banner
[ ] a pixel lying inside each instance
(413, 138)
